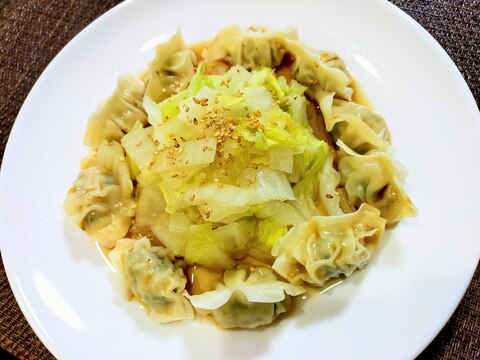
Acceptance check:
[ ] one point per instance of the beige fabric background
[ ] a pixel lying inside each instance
(33, 31)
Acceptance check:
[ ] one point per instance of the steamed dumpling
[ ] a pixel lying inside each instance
(331, 198)
(375, 178)
(171, 69)
(357, 126)
(321, 71)
(118, 114)
(247, 299)
(148, 273)
(101, 199)
(251, 48)
(326, 247)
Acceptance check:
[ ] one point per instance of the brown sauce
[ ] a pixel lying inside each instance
(317, 123)
(201, 279)
(211, 68)
(315, 290)
(198, 49)
(253, 262)
(285, 68)
(359, 96)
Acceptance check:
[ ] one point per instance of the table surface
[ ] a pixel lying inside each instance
(32, 32)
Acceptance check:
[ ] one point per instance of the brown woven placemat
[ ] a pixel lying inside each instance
(33, 31)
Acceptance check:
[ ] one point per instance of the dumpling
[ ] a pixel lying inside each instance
(148, 274)
(150, 206)
(171, 69)
(375, 178)
(330, 198)
(321, 71)
(252, 48)
(360, 128)
(118, 114)
(101, 199)
(247, 298)
(258, 47)
(372, 119)
(326, 247)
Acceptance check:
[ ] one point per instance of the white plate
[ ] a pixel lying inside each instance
(391, 310)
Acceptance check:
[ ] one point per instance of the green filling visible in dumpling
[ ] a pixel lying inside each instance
(328, 246)
(118, 114)
(101, 199)
(238, 312)
(247, 298)
(252, 48)
(374, 178)
(171, 69)
(155, 280)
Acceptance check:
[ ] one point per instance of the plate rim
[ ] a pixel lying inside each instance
(15, 285)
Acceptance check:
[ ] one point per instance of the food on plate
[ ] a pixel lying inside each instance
(228, 180)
